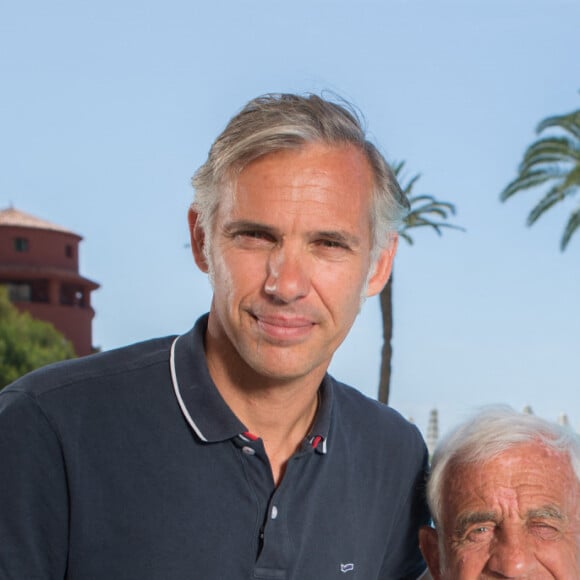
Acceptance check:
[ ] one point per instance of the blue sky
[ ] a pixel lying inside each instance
(107, 109)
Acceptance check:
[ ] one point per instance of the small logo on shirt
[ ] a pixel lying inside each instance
(344, 568)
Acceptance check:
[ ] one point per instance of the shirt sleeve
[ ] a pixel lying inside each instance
(404, 560)
(33, 493)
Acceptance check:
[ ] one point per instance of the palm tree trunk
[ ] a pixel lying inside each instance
(386, 299)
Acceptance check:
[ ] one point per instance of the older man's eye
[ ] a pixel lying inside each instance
(479, 533)
(545, 531)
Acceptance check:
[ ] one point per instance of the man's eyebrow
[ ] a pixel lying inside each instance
(466, 520)
(547, 512)
(247, 225)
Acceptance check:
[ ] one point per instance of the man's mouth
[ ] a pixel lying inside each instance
(285, 328)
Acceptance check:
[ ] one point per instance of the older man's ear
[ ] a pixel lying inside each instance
(430, 550)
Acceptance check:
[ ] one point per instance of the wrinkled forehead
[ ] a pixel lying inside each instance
(529, 472)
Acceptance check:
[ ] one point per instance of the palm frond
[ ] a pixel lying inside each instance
(424, 197)
(444, 206)
(551, 150)
(397, 167)
(571, 227)
(572, 180)
(553, 160)
(553, 197)
(408, 189)
(405, 236)
(425, 210)
(569, 122)
(432, 210)
(531, 179)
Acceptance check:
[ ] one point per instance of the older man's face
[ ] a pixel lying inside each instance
(516, 516)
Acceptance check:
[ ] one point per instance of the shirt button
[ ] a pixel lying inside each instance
(274, 512)
(248, 450)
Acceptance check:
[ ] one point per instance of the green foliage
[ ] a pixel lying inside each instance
(26, 343)
(426, 210)
(554, 162)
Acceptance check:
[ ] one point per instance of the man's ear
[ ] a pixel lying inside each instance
(428, 542)
(197, 237)
(383, 266)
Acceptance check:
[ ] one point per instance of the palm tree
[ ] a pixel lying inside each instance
(553, 161)
(426, 211)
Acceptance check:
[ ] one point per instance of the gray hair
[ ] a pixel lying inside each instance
(275, 122)
(490, 432)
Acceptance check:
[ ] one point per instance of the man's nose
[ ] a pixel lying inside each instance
(287, 278)
(512, 555)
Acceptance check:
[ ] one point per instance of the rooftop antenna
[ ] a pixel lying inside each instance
(432, 431)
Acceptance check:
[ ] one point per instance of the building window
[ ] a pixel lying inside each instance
(69, 251)
(39, 291)
(21, 244)
(72, 295)
(19, 291)
(27, 291)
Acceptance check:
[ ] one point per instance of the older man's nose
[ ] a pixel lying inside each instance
(512, 555)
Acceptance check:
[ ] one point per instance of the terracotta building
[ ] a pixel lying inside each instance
(39, 263)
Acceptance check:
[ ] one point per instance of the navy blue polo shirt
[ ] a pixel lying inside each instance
(129, 465)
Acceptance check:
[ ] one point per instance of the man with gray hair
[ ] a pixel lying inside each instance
(228, 452)
(504, 493)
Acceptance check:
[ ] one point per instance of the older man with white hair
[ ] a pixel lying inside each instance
(504, 493)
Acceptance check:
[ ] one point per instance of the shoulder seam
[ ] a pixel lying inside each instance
(67, 383)
(36, 404)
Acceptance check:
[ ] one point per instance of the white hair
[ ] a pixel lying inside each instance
(488, 433)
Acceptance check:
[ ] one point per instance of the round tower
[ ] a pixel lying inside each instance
(39, 263)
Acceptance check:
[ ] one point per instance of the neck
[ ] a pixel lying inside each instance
(279, 411)
(280, 414)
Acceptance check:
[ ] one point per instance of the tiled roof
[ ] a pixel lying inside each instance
(15, 217)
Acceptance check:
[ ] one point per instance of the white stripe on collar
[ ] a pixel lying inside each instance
(178, 393)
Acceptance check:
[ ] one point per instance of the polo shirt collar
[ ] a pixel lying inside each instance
(204, 408)
(201, 403)
(318, 437)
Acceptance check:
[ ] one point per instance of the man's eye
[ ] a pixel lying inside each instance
(252, 238)
(479, 533)
(254, 235)
(332, 244)
(545, 531)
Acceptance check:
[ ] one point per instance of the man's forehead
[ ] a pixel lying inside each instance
(536, 454)
(529, 476)
(338, 178)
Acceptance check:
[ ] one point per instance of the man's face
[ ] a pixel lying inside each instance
(290, 256)
(517, 516)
